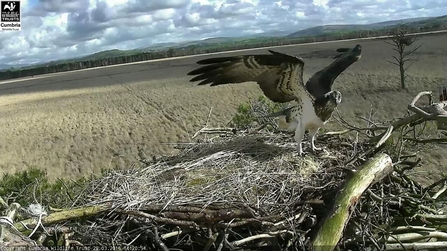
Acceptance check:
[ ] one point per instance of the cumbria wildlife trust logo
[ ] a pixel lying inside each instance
(10, 16)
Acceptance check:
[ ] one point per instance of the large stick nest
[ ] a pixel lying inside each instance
(250, 184)
(263, 172)
(240, 192)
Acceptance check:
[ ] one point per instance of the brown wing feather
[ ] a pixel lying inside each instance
(266, 70)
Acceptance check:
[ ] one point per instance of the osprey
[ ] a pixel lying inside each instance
(319, 85)
(280, 77)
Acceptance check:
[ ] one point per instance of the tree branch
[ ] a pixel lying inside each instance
(416, 246)
(332, 228)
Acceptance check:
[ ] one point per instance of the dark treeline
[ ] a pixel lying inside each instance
(207, 48)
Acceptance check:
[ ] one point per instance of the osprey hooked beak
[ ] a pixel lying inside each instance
(334, 97)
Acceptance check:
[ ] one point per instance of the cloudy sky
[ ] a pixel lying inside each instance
(56, 29)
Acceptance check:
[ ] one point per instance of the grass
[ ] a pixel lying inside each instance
(111, 117)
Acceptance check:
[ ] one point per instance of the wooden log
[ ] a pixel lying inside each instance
(53, 218)
(333, 225)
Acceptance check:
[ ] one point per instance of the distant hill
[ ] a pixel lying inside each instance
(324, 29)
(158, 46)
(217, 40)
(273, 33)
(212, 40)
(321, 30)
(397, 22)
(99, 55)
(7, 66)
(108, 53)
(436, 21)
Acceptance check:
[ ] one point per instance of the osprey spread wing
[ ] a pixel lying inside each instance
(280, 77)
(321, 82)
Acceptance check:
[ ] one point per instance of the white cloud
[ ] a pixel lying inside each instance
(56, 29)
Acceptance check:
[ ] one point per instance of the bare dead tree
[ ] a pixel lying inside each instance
(400, 40)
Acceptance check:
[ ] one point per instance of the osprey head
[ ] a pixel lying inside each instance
(334, 97)
(357, 51)
(325, 105)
